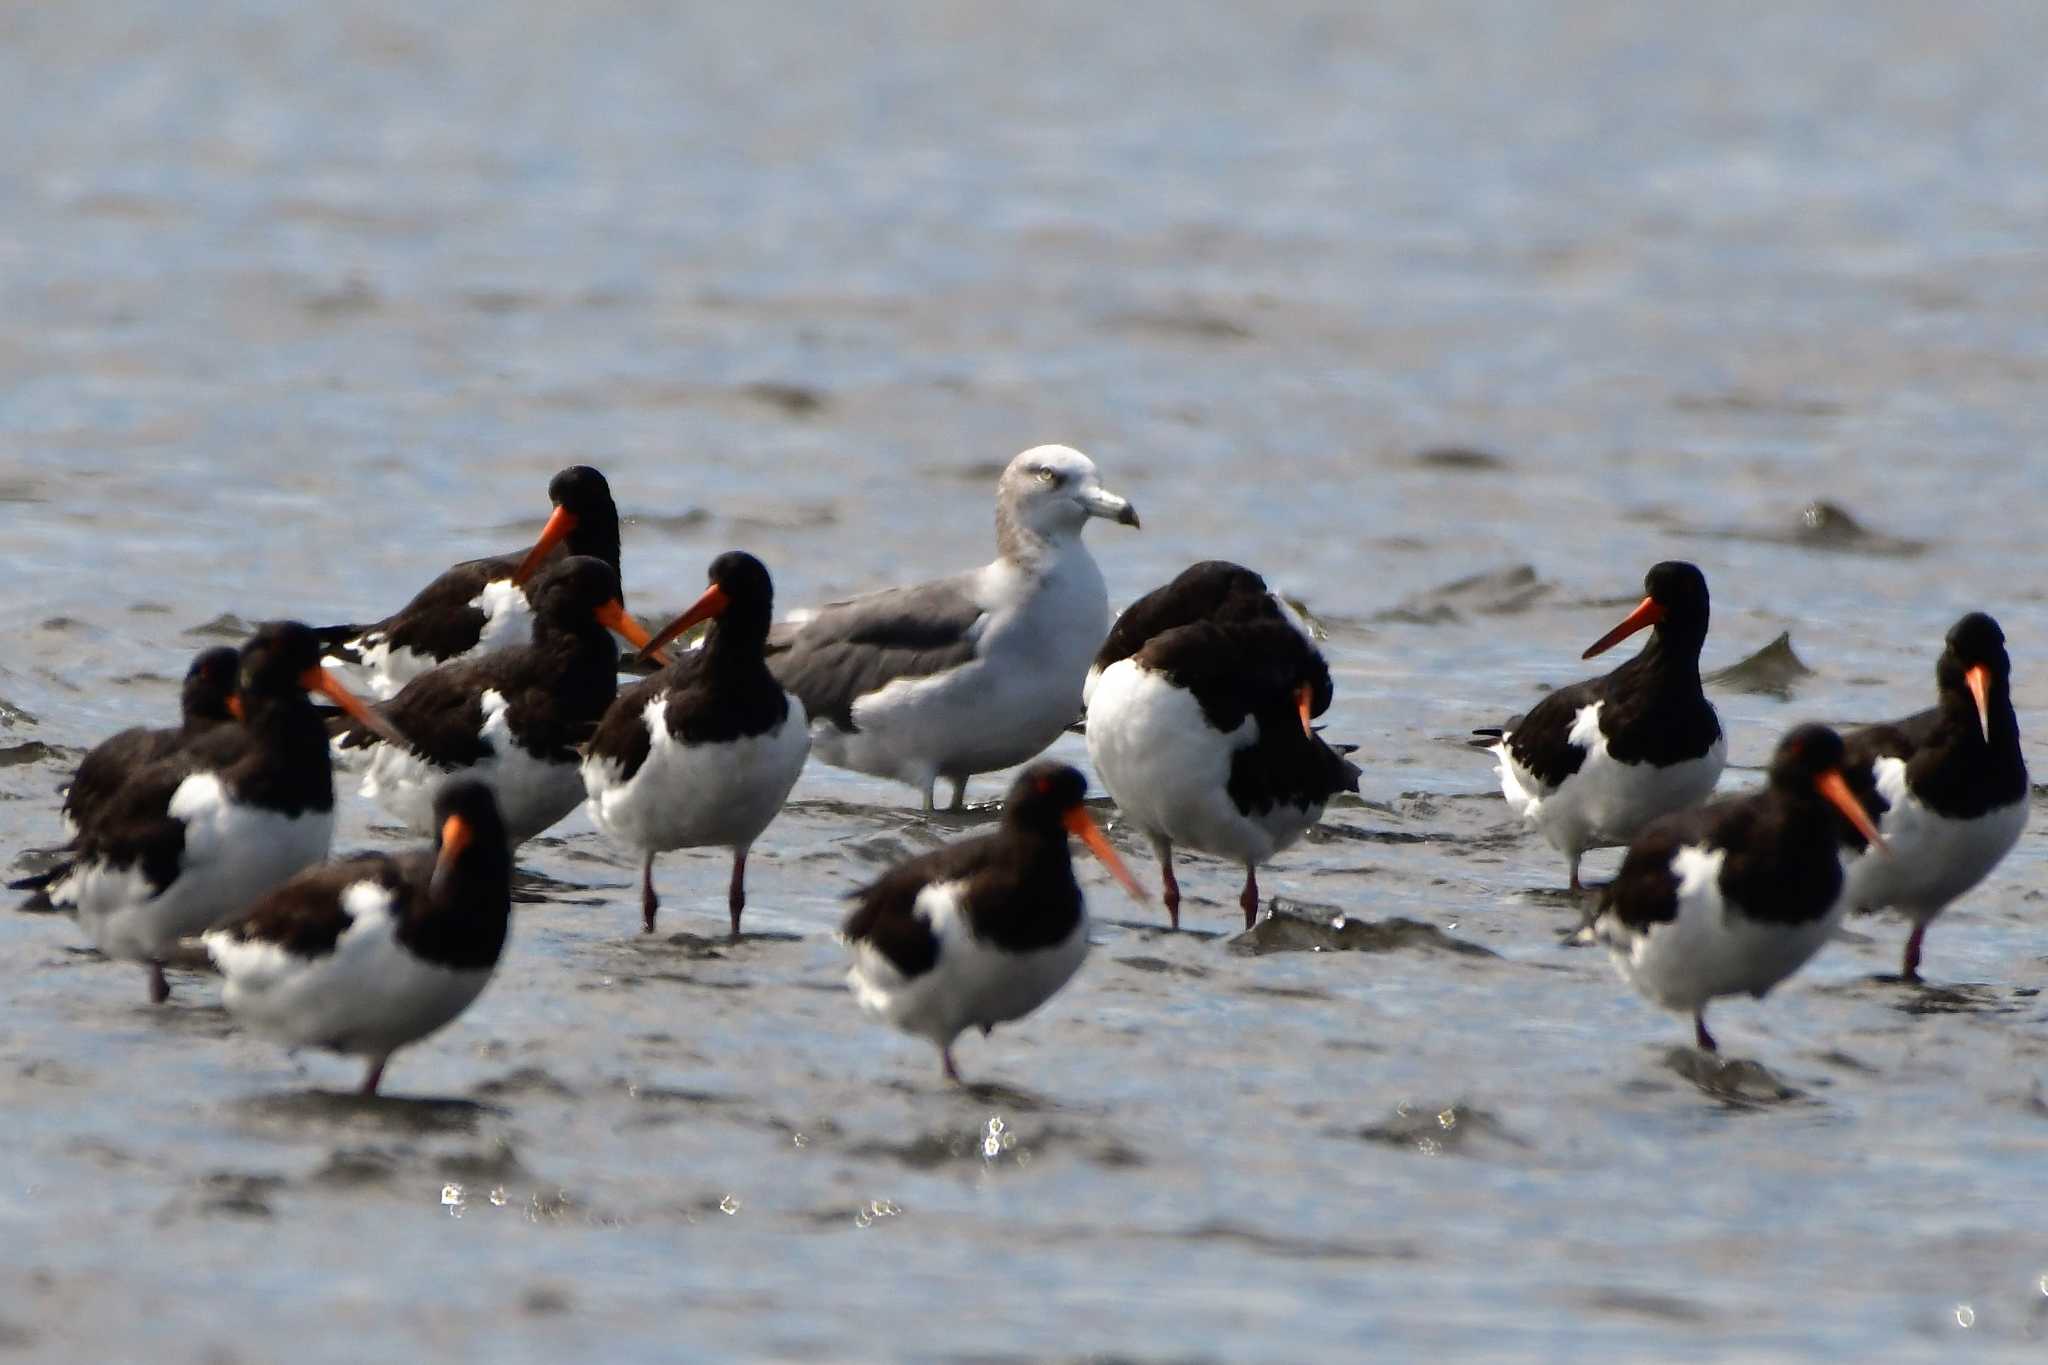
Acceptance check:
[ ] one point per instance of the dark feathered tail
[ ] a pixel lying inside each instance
(338, 642)
(38, 885)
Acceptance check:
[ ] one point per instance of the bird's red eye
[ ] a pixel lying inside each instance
(1043, 786)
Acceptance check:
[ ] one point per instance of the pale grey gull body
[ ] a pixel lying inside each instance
(971, 673)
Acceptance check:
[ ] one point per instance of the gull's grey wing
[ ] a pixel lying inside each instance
(848, 649)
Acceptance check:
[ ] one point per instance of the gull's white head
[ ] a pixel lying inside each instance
(1050, 492)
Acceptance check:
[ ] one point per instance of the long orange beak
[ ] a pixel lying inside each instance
(1648, 612)
(1304, 702)
(560, 523)
(455, 837)
(1080, 825)
(1978, 679)
(319, 680)
(1831, 785)
(614, 616)
(712, 603)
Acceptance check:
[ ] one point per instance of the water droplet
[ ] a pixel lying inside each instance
(451, 1199)
(729, 1205)
(799, 1139)
(1339, 923)
(1966, 1316)
(1429, 1146)
(498, 1197)
(2044, 1286)
(1448, 1118)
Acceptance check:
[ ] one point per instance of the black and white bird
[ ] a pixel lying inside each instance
(971, 673)
(367, 954)
(1949, 786)
(1595, 762)
(1733, 897)
(482, 605)
(206, 701)
(1199, 722)
(514, 719)
(706, 751)
(985, 930)
(200, 834)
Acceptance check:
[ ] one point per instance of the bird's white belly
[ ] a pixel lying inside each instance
(1933, 859)
(533, 793)
(1709, 949)
(688, 796)
(1606, 801)
(368, 997)
(971, 985)
(1169, 769)
(233, 854)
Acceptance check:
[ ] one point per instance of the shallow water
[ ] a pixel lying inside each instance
(303, 304)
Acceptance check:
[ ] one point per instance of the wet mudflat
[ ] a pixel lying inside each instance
(1449, 319)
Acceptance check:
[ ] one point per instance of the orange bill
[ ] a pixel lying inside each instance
(712, 603)
(455, 837)
(560, 523)
(1648, 612)
(1304, 702)
(235, 706)
(614, 616)
(319, 680)
(1083, 827)
(1978, 678)
(1835, 788)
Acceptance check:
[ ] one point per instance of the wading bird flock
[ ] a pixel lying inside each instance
(497, 710)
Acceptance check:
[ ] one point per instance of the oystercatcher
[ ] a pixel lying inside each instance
(704, 752)
(513, 719)
(482, 605)
(1595, 762)
(200, 834)
(1734, 897)
(203, 703)
(373, 952)
(984, 930)
(1949, 786)
(971, 673)
(1202, 730)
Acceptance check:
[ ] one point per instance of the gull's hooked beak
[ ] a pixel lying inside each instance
(1648, 612)
(455, 837)
(560, 523)
(1835, 788)
(614, 616)
(317, 679)
(1083, 827)
(713, 603)
(1098, 501)
(1978, 679)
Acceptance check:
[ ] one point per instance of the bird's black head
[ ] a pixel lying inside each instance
(574, 589)
(1674, 601)
(469, 844)
(209, 682)
(1976, 641)
(744, 581)
(1805, 753)
(279, 659)
(1974, 673)
(740, 599)
(585, 517)
(1044, 795)
(1681, 590)
(581, 491)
